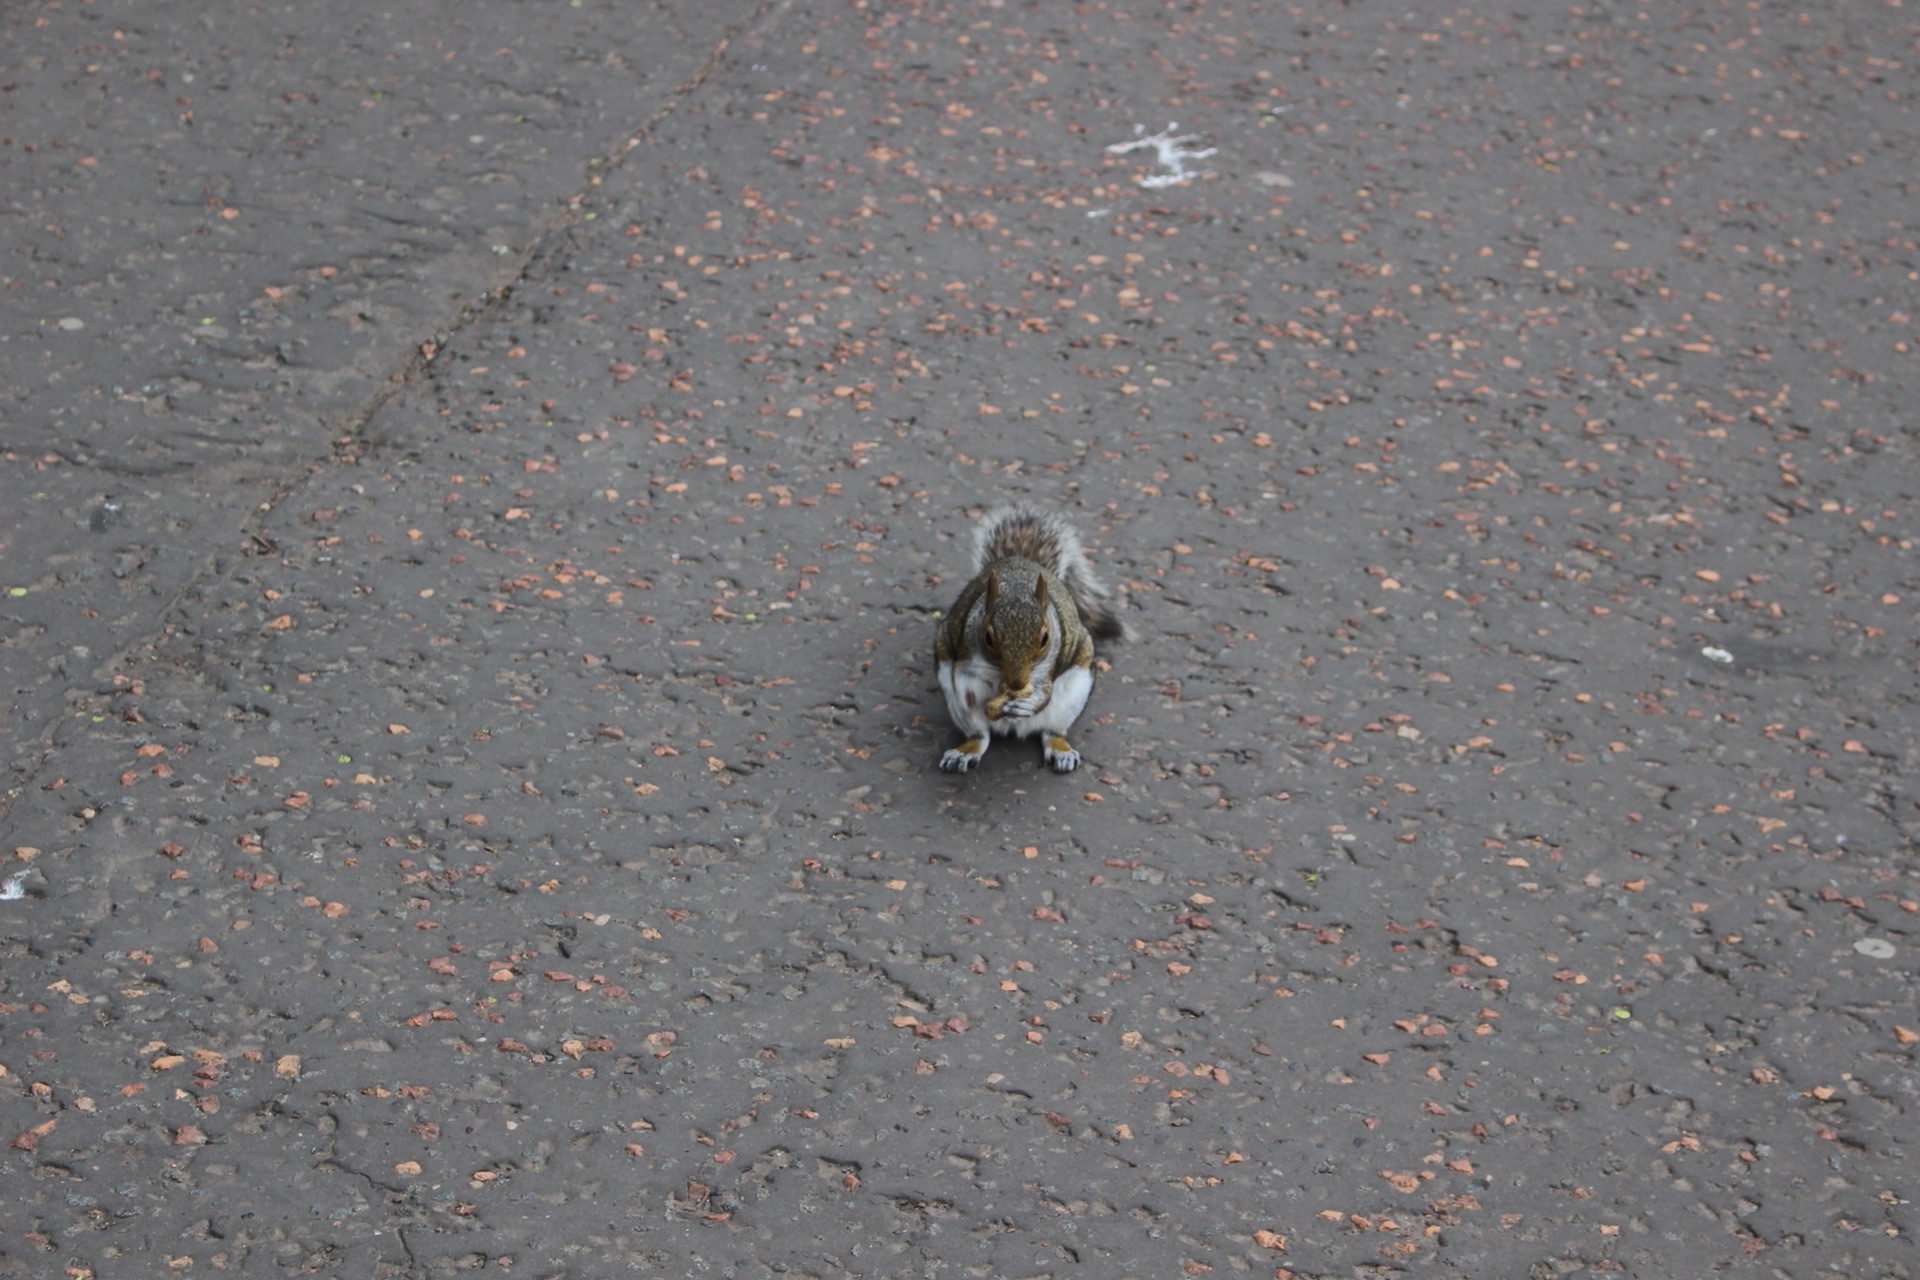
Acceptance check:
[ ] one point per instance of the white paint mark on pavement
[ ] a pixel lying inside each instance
(1171, 152)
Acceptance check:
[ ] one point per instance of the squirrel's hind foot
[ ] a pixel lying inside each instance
(965, 756)
(1060, 754)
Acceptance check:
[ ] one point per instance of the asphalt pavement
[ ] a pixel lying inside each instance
(479, 481)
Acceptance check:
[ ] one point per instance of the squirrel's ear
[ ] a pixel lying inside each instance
(993, 588)
(1040, 591)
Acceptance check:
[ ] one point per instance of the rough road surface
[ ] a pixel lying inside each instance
(479, 482)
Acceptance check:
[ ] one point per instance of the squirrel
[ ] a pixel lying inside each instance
(1015, 654)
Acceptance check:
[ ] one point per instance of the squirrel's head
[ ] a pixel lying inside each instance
(1016, 632)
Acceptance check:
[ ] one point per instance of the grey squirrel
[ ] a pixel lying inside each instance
(1015, 654)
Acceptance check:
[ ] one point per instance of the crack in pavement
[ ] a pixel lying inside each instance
(350, 440)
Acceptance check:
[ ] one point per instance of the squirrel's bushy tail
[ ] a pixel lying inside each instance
(1028, 533)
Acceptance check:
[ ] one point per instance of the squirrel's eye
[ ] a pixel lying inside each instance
(1046, 638)
(987, 641)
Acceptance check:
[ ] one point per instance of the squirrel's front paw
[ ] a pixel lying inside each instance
(1020, 708)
